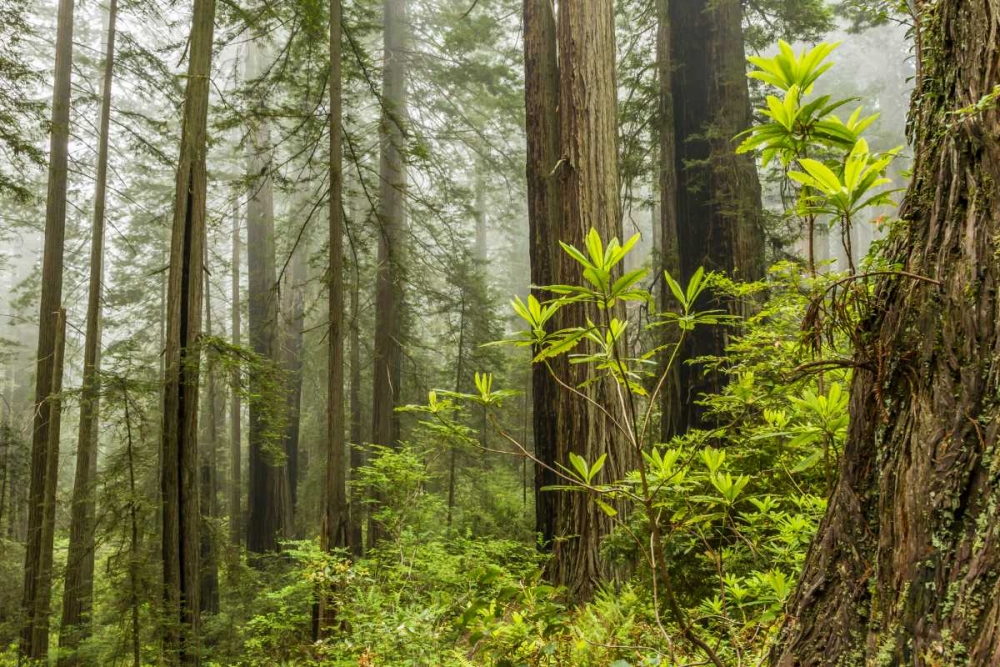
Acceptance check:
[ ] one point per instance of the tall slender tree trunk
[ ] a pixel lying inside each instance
(391, 230)
(717, 194)
(903, 570)
(588, 178)
(357, 456)
(665, 224)
(235, 407)
(179, 453)
(459, 371)
(209, 595)
(541, 101)
(268, 488)
(293, 320)
(336, 519)
(482, 243)
(35, 635)
(78, 592)
(42, 589)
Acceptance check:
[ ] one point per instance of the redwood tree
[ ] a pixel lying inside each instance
(78, 592)
(541, 101)
(587, 174)
(904, 567)
(336, 520)
(38, 550)
(268, 495)
(391, 227)
(179, 454)
(235, 407)
(717, 196)
(391, 221)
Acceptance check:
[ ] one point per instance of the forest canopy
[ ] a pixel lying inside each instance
(604, 333)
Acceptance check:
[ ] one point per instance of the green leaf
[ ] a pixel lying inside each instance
(607, 509)
(808, 462)
(596, 468)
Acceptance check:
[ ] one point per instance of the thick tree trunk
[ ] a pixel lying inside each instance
(78, 592)
(665, 224)
(904, 568)
(541, 101)
(718, 205)
(235, 407)
(391, 222)
(391, 230)
(179, 453)
(268, 487)
(588, 181)
(35, 635)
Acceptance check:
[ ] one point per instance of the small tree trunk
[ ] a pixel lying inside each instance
(453, 454)
(482, 245)
(179, 453)
(235, 409)
(209, 483)
(336, 519)
(293, 320)
(42, 582)
(78, 592)
(357, 456)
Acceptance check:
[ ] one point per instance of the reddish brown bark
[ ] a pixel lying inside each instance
(541, 101)
(588, 182)
(179, 454)
(35, 635)
(78, 591)
(904, 569)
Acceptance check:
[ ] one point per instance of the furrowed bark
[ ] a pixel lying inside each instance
(35, 633)
(588, 182)
(904, 568)
(541, 101)
(179, 452)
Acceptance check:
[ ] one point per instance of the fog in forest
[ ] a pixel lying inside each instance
(488, 332)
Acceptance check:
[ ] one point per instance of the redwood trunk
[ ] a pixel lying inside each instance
(904, 569)
(336, 520)
(357, 456)
(391, 229)
(179, 454)
(35, 634)
(718, 205)
(209, 474)
(235, 407)
(78, 591)
(293, 320)
(588, 181)
(665, 223)
(392, 190)
(541, 101)
(268, 487)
